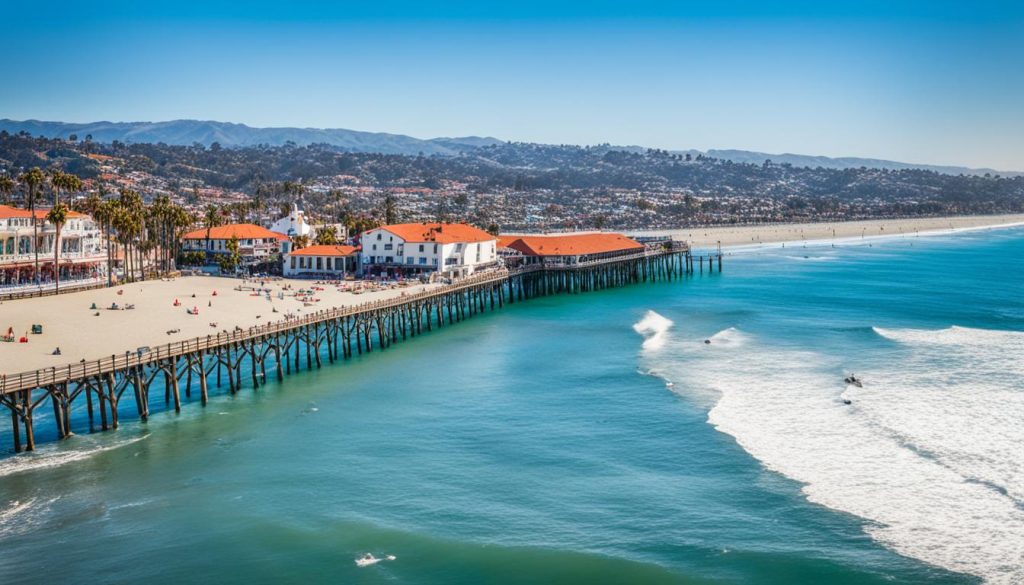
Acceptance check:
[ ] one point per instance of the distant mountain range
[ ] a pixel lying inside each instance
(235, 135)
(848, 162)
(188, 132)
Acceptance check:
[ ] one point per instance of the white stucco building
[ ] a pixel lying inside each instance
(82, 256)
(293, 224)
(451, 249)
(322, 261)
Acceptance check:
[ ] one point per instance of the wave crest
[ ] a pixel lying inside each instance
(654, 328)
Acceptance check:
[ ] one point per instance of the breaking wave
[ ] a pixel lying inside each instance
(928, 451)
(55, 455)
(654, 328)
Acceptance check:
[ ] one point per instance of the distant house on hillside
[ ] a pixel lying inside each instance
(255, 243)
(450, 249)
(322, 261)
(566, 249)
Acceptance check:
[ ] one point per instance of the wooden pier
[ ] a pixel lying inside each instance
(243, 357)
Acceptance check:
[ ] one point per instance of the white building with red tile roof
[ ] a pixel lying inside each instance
(83, 251)
(255, 243)
(322, 261)
(451, 249)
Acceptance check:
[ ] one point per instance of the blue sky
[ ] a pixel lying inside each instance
(930, 82)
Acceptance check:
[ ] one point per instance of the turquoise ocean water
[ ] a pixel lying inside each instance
(593, 438)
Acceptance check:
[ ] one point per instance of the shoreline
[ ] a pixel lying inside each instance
(85, 333)
(748, 237)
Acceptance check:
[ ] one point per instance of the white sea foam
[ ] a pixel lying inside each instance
(654, 328)
(19, 517)
(55, 455)
(929, 450)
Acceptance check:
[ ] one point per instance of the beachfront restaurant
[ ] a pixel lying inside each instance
(322, 261)
(565, 249)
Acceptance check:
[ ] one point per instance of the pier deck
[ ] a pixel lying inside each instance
(328, 335)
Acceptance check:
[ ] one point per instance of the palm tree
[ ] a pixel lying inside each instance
(211, 219)
(131, 228)
(104, 214)
(327, 235)
(57, 215)
(33, 179)
(181, 220)
(69, 183)
(300, 242)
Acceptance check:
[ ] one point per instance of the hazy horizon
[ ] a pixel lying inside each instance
(924, 83)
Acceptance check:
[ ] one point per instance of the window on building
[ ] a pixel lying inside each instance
(435, 251)
(293, 262)
(409, 260)
(319, 263)
(423, 260)
(388, 246)
(379, 235)
(421, 247)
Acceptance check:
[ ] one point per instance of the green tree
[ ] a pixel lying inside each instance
(327, 236)
(390, 210)
(7, 185)
(300, 242)
(230, 260)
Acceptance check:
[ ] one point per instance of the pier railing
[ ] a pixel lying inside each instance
(60, 374)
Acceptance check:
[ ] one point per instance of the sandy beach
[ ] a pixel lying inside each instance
(747, 235)
(69, 322)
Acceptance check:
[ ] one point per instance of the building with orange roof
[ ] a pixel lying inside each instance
(324, 261)
(566, 249)
(255, 243)
(450, 249)
(82, 248)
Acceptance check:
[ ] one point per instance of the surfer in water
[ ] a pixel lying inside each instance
(368, 559)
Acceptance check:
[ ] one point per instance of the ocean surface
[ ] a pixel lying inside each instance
(593, 438)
